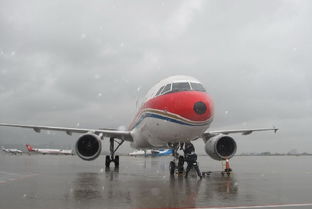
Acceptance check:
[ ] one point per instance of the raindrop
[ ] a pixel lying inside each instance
(122, 128)
(13, 53)
(78, 124)
(101, 170)
(100, 94)
(83, 36)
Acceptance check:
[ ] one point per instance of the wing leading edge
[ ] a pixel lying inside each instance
(123, 135)
(210, 134)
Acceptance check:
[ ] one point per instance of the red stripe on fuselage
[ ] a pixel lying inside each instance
(180, 103)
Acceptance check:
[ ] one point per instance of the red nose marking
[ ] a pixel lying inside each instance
(184, 104)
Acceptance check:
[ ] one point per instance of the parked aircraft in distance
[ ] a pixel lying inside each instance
(152, 152)
(176, 110)
(13, 151)
(50, 151)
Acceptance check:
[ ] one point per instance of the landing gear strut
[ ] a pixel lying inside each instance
(112, 158)
(177, 164)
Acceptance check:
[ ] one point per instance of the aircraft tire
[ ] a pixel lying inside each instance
(181, 165)
(107, 161)
(116, 161)
(172, 167)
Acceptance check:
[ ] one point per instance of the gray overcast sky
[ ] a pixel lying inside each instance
(84, 63)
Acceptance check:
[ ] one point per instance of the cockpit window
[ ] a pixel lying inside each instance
(166, 89)
(185, 86)
(198, 87)
(180, 86)
(158, 92)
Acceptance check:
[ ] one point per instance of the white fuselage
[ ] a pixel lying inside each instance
(53, 151)
(13, 151)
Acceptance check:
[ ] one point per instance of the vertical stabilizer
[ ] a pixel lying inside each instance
(29, 148)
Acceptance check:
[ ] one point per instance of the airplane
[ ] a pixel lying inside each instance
(49, 151)
(176, 110)
(152, 152)
(13, 151)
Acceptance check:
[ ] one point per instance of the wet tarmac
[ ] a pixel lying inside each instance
(42, 181)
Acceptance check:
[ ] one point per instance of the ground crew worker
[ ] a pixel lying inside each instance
(191, 159)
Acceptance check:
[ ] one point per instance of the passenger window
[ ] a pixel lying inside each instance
(198, 87)
(185, 86)
(166, 89)
(158, 92)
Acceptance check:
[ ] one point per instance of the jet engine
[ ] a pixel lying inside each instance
(88, 146)
(221, 147)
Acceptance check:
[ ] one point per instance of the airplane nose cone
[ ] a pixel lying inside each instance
(200, 108)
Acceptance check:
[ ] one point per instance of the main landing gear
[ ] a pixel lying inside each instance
(112, 158)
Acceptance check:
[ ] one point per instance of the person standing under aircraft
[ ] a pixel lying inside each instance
(191, 159)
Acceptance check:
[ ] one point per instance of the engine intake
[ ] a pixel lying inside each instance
(221, 147)
(88, 146)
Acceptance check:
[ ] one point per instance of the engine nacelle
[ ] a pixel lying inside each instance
(88, 146)
(221, 147)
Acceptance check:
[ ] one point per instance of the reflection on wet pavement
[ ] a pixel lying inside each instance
(140, 192)
(65, 182)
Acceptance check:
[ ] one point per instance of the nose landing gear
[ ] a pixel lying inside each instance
(177, 164)
(172, 167)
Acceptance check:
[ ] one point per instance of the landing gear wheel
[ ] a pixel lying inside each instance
(116, 161)
(181, 165)
(172, 167)
(107, 161)
(112, 158)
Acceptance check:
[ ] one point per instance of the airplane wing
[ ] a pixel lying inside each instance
(210, 134)
(123, 135)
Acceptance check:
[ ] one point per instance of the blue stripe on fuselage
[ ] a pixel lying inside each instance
(162, 117)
